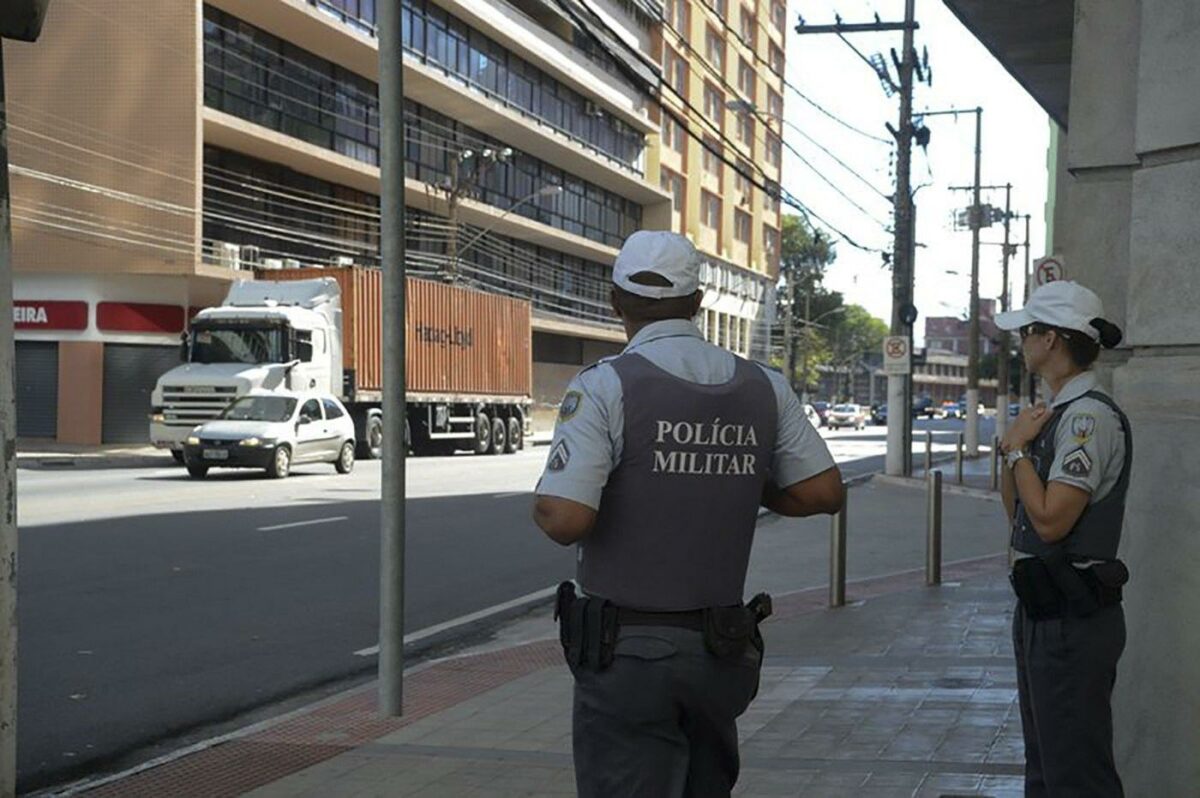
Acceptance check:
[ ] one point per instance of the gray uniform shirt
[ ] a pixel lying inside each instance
(1089, 445)
(589, 435)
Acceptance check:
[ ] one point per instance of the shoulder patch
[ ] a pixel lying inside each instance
(1077, 463)
(570, 405)
(560, 456)
(1082, 427)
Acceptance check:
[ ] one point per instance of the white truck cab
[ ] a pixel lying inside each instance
(266, 335)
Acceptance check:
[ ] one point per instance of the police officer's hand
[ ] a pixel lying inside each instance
(1028, 424)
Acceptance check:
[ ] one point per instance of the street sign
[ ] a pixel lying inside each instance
(897, 358)
(1048, 270)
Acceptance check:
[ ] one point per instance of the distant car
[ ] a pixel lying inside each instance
(847, 416)
(812, 415)
(1014, 408)
(879, 414)
(822, 409)
(273, 431)
(951, 409)
(923, 406)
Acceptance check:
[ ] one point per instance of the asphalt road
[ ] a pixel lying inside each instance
(154, 606)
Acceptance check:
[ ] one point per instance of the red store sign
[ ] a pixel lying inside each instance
(139, 317)
(36, 314)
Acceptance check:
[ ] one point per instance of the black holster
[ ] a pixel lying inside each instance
(587, 628)
(728, 630)
(1051, 587)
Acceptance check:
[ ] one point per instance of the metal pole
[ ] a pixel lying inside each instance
(391, 561)
(789, 345)
(8, 481)
(958, 459)
(899, 446)
(928, 450)
(933, 538)
(973, 329)
(837, 558)
(1030, 377)
(995, 462)
(1005, 343)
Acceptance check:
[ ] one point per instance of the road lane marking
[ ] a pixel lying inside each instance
(314, 521)
(462, 620)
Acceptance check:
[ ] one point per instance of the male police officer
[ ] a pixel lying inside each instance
(660, 460)
(1068, 467)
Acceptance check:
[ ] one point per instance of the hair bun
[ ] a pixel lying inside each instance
(1110, 334)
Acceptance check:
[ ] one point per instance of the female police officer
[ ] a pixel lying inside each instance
(1067, 470)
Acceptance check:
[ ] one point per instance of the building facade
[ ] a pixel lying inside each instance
(1119, 77)
(952, 334)
(938, 376)
(718, 154)
(183, 144)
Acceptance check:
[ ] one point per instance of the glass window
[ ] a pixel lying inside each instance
(741, 226)
(774, 150)
(747, 79)
(331, 409)
(748, 25)
(745, 129)
(774, 104)
(710, 206)
(742, 184)
(311, 410)
(714, 104)
(778, 14)
(712, 159)
(775, 59)
(714, 49)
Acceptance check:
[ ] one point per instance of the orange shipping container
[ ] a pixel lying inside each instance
(459, 341)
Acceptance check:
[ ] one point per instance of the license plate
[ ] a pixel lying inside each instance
(216, 454)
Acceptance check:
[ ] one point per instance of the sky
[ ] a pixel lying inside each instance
(1016, 134)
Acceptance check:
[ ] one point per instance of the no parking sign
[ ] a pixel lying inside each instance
(1049, 270)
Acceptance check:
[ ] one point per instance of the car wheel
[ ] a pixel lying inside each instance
(516, 435)
(177, 455)
(483, 434)
(281, 463)
(197, 471)
(499, 436)
(345, 462)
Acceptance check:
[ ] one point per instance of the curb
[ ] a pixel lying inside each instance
(66, 462)
(947, 487)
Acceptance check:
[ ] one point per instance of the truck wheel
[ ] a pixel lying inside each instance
(345, 462)
(177, 454)
(499, 436)
(197, 471)
(516, 434)
(281, 463)
(483, 434)
(371, 446)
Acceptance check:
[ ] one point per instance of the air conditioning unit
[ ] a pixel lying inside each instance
(291, 263)
(250, 256)
(271, 263)
(343, 260)
(227, 254)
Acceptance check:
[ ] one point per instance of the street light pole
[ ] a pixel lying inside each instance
(544, 191)
(1005, 342)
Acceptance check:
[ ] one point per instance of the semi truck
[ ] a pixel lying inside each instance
(468, 359)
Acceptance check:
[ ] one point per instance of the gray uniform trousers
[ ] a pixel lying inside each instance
(1066, 668)
(660, 722)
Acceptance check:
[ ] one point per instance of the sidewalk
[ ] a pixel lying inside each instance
(906, 691)
(47, 455)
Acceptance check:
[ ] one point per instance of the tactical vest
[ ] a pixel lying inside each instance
(677, 515)
(1097, 533)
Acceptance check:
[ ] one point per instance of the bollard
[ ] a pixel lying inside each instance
(837, 558)
(928, 450)
(933, 539)
(958, 459)
(995, 463)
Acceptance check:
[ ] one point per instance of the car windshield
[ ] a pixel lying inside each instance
(845, 409)
(261, 408)
(238, 345)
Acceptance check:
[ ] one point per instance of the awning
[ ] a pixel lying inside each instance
(1031, 39)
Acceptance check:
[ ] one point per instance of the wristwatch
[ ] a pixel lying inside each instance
(1013, 456)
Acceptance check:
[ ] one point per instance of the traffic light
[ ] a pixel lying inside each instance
(22, 19)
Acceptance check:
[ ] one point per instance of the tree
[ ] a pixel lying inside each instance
(804, 255)
(854, 333)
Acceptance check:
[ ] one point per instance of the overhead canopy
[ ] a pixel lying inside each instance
(1031, 39)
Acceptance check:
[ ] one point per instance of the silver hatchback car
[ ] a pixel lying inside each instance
(274, 431)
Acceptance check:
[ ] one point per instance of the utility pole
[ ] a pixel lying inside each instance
(1029, 376)
(1005, 343)
(789, 345)
(392, 531)
(807, 339)
(897, 461)
(976, 216)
